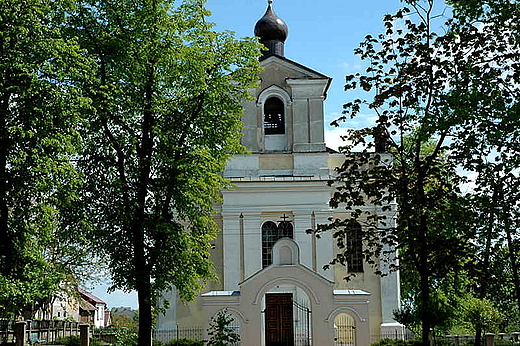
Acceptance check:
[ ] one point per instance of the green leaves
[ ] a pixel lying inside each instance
(40, 106)
(444, 103)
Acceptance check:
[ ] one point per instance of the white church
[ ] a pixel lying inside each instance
(271, 272)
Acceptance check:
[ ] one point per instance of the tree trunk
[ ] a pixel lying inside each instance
(512, 258)
(425, 302)
(5, 239)
(485, 267)
(145, 310)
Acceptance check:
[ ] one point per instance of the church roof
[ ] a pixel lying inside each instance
(308, 72)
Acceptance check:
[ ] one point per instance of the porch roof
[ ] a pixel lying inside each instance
(351, 292)
(221, 293)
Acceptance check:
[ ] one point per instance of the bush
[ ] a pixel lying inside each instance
(67, 341)
(185, 342)
(74, 341)
(125, 338)
(391, 342)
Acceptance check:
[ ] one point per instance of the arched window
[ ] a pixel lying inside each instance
(354, 249)
(270, 235)
(274, 116)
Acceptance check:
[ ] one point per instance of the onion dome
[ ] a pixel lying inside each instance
(272, 32)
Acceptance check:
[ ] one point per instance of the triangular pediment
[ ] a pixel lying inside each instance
(297, 70)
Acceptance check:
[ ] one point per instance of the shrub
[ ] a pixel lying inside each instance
(185, 342)
(220, 333)
(72, 340)
(391, 342)
(125, 338)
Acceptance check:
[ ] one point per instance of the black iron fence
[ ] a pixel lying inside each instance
(165, 335)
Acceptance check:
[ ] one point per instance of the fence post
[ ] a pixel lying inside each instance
(84, 335)
(19, 333)
(490, 339)
(515, 336)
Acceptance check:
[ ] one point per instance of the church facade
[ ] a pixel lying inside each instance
(271, 272)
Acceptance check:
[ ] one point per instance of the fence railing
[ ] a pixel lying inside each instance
(165, 335)
(404, 334)
(489, 339)
(22, 332)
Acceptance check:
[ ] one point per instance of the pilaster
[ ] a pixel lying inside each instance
(231, 253)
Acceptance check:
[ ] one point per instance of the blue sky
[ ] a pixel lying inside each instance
(322, 36)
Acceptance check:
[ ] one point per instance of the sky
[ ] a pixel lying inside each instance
(322, 36)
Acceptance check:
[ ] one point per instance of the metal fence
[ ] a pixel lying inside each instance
(165, 335)
(403, 334)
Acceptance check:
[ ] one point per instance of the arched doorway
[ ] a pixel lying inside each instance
(286, 317)
(344, 330)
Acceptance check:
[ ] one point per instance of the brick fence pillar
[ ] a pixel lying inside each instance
(490, 339)
(84, 335)
(20, 333)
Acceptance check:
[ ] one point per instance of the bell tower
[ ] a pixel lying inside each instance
(287, 116)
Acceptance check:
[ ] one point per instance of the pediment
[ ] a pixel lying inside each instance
(292, 68)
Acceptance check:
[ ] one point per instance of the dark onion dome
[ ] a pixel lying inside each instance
(271, 27)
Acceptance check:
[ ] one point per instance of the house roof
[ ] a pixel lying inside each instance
(90, 297)
(85, 305)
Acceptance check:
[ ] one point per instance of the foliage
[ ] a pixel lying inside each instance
(482, 312)
(166, 116)
(125, 337)
(40, 107)
(219, 332)
(392, 342)
(122, 321)
(74, 340)
(185, 342)
(444, 102)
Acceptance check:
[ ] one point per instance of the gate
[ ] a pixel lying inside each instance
(302, 325)
(288, 323)
(344, 330)
(279, 319)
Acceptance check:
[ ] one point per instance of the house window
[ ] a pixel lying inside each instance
(270, 235)
(274, 117)
(354, 251)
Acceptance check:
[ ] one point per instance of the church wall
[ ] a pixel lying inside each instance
(251, 134)
(276, 162)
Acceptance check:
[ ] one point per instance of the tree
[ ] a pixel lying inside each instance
(40, 106)
(454, 94)
(166, 117)
(219, 332)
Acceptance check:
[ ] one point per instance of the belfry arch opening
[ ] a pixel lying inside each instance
(274, 116)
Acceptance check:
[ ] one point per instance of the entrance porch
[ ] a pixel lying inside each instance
(269, 309)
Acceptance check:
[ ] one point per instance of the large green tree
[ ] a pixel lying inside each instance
(166, 117)
(40, 106)
(456, 93)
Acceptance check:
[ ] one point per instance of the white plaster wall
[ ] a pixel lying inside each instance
(168, 320)
(324, 246)
(311, 165)
(231, 240)
(99, 316)
(302, 222)
(252, 239)
(242, 166)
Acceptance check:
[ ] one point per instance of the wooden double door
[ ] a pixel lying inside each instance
(279, 330)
